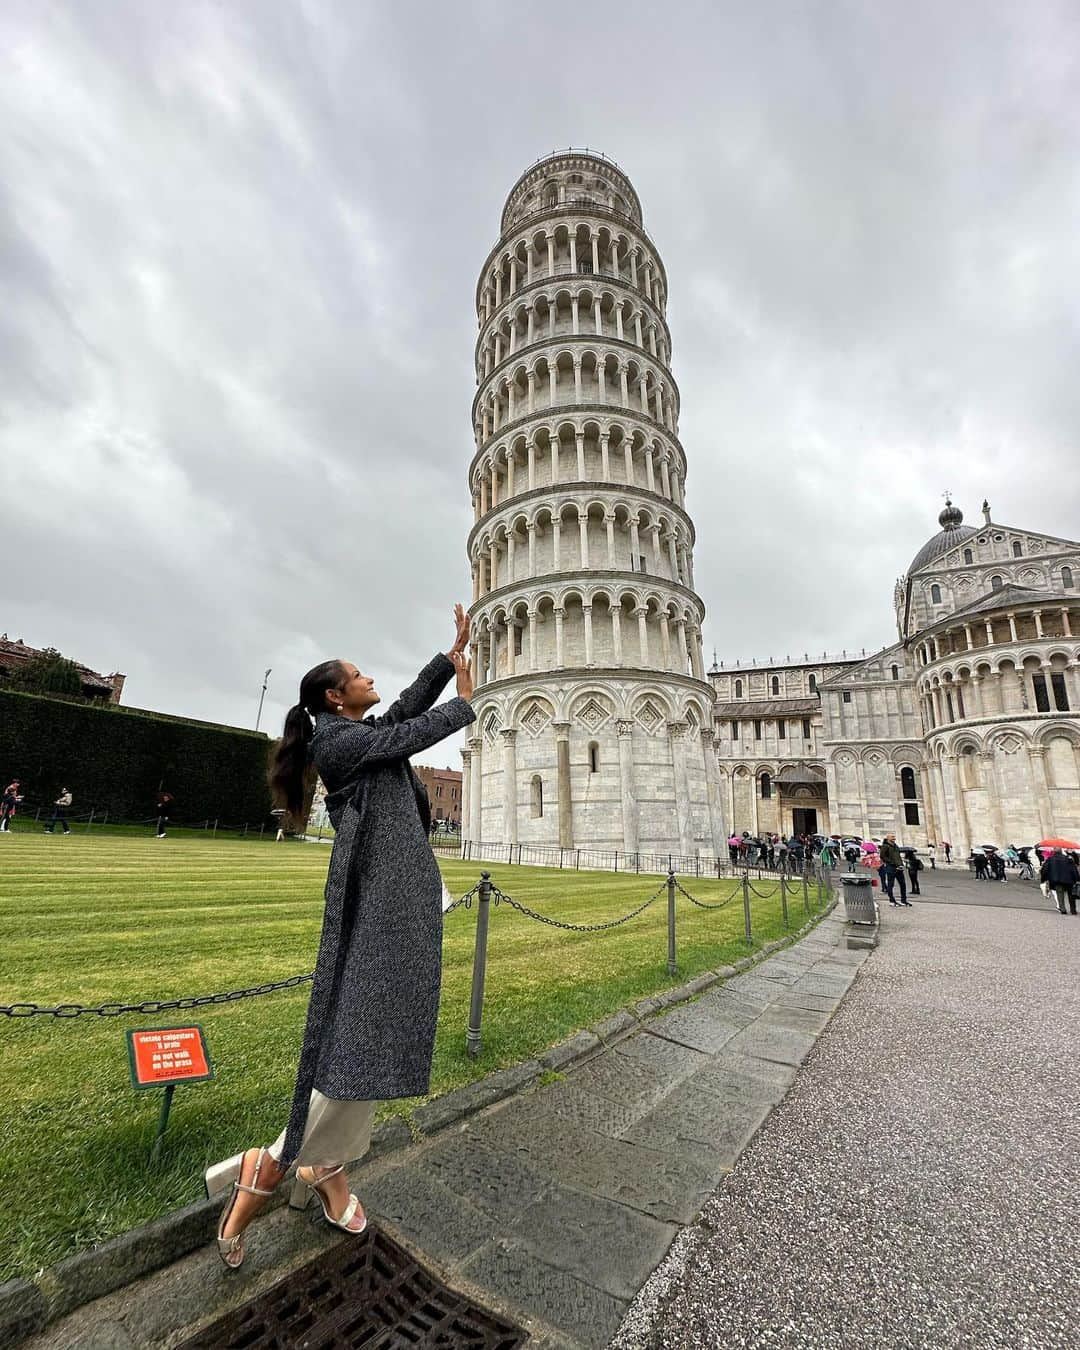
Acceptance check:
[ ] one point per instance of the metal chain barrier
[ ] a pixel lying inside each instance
(701, 903)
(763, 895)
(498, 896)
(152, 1005)
(465, 900)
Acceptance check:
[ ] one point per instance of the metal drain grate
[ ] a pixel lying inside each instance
(367, 1292)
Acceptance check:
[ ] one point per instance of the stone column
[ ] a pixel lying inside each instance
(712, 780)
(605, 461)
(476, 790)
(654, 531)
(587, 612)
(532, 640)
(553, 446)
(556, 542)
(860, 778)
(684, 654)
(665, 639)
(532, 443)
(643, 634)
(677, 733)
(628, 459)
(650, 475)
(1043, 804)
(616, 632)
(937, 780)
(635, 543)
(559, 612)
(609, 525)
(577, 380)
(530, 527)
(583, 531)
(466, 793)
(510, 817)
(625, 731)
(929, 810)
(493, 653)
(665, 479)
(562, 766)
(962, 844)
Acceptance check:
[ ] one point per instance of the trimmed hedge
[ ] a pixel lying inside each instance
(114, 760)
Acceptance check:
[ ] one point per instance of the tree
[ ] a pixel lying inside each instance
(48, 673)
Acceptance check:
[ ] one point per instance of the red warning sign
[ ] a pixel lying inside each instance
(168, 1055)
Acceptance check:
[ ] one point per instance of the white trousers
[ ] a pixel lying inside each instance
(336, 1132)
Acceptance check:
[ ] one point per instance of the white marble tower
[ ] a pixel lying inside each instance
(594, 715)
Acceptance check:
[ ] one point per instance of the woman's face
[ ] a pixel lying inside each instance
(355, 694)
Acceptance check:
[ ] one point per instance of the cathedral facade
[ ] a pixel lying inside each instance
(967, 729)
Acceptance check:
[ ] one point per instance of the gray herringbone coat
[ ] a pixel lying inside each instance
(370, 1026)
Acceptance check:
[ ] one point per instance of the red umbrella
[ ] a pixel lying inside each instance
(1057, 843)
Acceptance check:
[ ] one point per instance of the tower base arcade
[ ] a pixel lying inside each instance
(595, 760)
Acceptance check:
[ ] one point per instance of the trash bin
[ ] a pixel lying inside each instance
(859, 906)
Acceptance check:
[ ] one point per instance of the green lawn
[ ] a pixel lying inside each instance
(93, 918)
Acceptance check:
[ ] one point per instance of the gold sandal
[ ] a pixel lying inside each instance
(231, 1249)
(301, 1198)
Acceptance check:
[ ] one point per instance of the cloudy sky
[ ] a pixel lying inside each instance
(238, 249)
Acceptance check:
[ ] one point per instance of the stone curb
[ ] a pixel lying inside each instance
(27, 1307)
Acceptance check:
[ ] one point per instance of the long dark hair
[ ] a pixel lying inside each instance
(289, 767)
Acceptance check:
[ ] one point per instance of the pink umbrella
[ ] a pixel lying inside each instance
(869, 848)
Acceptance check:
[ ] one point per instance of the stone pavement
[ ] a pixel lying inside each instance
(920, 1184)
(555, 1206)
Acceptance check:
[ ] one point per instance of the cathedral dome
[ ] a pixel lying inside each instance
(953, 531)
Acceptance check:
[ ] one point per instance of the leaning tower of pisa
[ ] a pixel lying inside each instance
(594, 723)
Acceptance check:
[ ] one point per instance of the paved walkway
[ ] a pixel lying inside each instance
(920, 1185)
(556, 1206)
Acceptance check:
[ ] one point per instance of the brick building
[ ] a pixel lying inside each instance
(444, 789)
(102, 688)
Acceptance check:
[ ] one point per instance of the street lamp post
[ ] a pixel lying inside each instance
(258, 719)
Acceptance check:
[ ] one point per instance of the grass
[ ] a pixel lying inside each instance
(94, 918)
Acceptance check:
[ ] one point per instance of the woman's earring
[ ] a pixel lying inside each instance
(337, 707)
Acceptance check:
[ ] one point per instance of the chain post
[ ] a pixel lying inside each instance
(746, 905)
(105, 819)
(783, 898)
(261, 828)
(671, 923)
(805, 891)
(89, 822)
(476, 1003)
(215, 829)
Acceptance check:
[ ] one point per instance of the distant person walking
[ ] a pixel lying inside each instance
(913, 866)
(60, 809)
(947, 849)
(9, 803)
(892, 870)
(370, 1030)
(163, 802)
(1062, 876)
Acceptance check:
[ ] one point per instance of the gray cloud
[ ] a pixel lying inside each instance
(238, 249)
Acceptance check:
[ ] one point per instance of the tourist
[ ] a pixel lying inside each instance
(913, 865)
(978, 861)
(851, 854)
(782, 858)
(1061, 875)
(892, 870)
(1027, 872)
(60, 810)
(162, 801)
(8, 805)
(733, 848)
(370, 1028)
(933, 858)
(947, 850)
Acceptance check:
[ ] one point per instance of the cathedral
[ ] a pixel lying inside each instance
(598, 726)
(967, 729)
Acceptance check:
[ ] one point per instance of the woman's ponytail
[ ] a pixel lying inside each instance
(289, 766)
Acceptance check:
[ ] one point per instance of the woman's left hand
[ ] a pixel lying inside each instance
(462, 620)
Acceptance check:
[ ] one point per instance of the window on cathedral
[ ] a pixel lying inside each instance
(734, 730)
(907, 782)
(806, 728)
(896, 672)
(1061, 694)
(960, 702)
(738, 688)
(935, 594)
(847, 695)
(949, 706)
(594, 757)
(757, 729)
(911, 813)
(968, 555)
(996, 583)
(641, 563)
(766, 787)
(518, 630)
(1042, 696)
(813, 684)
(775, 686)
(536, 796)
(1067, 578)
(781, 729)
(1018, 549)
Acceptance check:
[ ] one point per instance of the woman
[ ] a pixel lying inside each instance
(370, 1026)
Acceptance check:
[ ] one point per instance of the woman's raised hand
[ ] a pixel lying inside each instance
(463, 623)
(463, 668)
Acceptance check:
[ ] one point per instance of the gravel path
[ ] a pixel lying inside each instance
(920, 1184)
